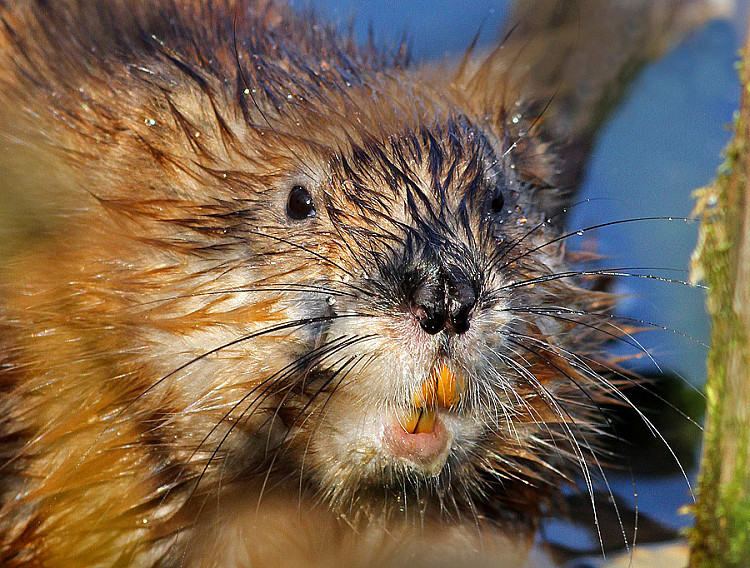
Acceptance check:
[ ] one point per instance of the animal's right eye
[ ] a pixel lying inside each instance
(300, 204)
(497, 202)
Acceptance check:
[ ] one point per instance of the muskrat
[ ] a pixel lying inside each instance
(281, 298)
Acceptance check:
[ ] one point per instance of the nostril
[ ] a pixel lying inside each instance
(460, 322)
(462, 298)
(432, 321)
(428, 302)
(441, 297)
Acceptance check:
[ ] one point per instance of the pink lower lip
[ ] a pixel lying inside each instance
(428, 452)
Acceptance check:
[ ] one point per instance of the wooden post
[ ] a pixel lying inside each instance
(721, 536)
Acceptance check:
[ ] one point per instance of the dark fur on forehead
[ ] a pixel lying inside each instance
(373, 175)
(415, 199)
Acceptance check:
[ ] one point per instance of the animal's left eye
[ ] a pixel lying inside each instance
(300, 204)
(497, 201)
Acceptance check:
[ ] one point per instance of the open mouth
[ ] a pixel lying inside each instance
(419, 436)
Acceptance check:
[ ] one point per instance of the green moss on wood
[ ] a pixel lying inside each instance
(721, 535)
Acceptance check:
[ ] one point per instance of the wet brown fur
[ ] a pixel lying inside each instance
(163, 132)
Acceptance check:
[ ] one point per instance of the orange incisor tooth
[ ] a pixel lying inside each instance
(426, 423)
(440, 389)
(410, 420)
(419, 420)
(447, 394)
(427, 395)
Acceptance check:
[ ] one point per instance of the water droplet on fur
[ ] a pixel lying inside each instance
(246, 91)
(330, 300)
(579, 233)
(515, 119)
(290, 96)
(150, 121)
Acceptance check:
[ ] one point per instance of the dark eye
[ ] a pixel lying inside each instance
(300, 204)
(497, 202)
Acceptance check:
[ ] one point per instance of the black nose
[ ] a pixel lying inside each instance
(461, 299)
(444, 301)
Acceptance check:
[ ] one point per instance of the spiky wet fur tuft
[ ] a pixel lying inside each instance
(171, 337)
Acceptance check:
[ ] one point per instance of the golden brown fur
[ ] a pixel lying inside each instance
(177, 361)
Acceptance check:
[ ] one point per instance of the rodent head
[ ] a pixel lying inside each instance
(345, 277)
(430, 362)
(372, 312)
